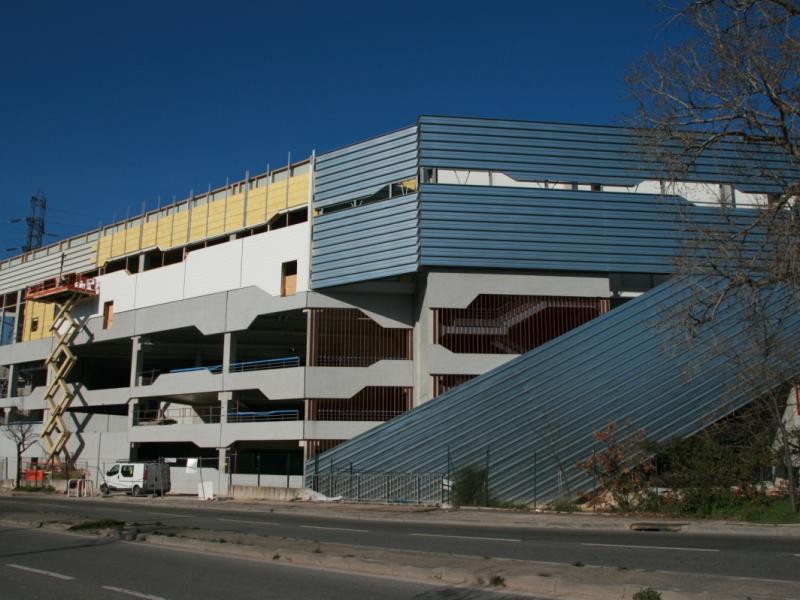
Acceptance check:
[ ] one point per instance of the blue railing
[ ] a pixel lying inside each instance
(263, 415)
(250, 365)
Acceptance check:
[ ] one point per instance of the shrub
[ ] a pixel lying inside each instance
(469, 487)
(647, 593)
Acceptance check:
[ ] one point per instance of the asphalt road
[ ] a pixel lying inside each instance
(739, 556)
(42, 564)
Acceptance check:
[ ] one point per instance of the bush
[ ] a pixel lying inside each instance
(469, 487)
(647, 593)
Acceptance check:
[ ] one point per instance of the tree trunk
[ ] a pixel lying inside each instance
(19, 466)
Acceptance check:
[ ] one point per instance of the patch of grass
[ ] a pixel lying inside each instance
(544, 574)
(276, 556)
(317, 550)
(776, 512)
(479, 581)
(497, 581)
(578, 563)
(98, 524)
(647, 593)
(46, 489)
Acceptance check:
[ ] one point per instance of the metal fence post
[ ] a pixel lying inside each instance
(288, 468)
(487, 476)
(258, 469)
(535, 498)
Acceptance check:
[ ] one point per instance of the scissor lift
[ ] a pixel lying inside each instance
(65, 291)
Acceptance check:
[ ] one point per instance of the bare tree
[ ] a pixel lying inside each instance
(727, 99)
(24, 435)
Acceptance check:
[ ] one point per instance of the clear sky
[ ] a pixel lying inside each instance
(108, 105)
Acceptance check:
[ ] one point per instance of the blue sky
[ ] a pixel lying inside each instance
(108, 105)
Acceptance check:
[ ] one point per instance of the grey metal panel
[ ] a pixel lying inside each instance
(80, 258)
(545, 405)
(359, 170)
(366, 242)
(526, 228)
(528, 150)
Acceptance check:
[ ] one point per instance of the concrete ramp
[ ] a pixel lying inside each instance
(533, 417)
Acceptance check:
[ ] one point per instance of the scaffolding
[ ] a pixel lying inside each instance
(64, 291)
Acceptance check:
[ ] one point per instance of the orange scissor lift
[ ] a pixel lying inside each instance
(65, 291)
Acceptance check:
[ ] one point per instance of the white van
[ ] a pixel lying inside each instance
(137, 478)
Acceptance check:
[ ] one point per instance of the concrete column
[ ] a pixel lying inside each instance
(12, 381)
(16, 317)
(228, 352)
(7, 413)
(137, 360)
(133, 406)
(222, 477)
(224, 398)
(141, 259)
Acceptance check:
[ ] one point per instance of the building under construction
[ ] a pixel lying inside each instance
(457, 288)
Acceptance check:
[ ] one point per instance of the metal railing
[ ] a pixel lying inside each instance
(269, 363)
(254, 416)
(332, 414)
(250, 365)
(177, 416)
(397, 488)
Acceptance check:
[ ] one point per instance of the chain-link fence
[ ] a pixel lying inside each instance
(402, 488)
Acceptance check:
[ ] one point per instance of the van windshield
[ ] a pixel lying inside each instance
(113, 470)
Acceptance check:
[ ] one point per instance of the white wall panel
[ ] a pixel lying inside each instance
(160, 285)
(119, 287)
(214, 269)
(264, 254)
(252, 261)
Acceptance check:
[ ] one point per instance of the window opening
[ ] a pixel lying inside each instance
(289, 278)
(108, 314)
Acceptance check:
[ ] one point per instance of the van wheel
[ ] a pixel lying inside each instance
(135, 490)
(104, 489)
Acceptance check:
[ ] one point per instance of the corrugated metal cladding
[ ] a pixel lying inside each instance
(545, 405)
(78, 259)
(360, 170)
(528, 150)
(373, 240)
(525, 228)
(366, 242)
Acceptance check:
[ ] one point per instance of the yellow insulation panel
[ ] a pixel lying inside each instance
(234, 212)
(180, 224)
(164, 232)
(209, 220)
(43, 313)
(199, 224)
(118, 243)
(149, 234)
(103, 249)
(256, 207)
(133, 236)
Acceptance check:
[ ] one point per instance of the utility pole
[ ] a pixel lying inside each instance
(35, 223)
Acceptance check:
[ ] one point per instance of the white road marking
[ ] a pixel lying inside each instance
(465, 537)
(133, 593)
(632, 547)
(166, 514)
(40, 571)
(334, 528)
(251, 522)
